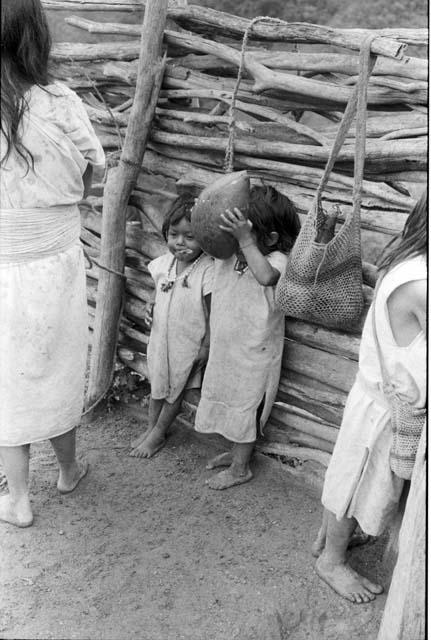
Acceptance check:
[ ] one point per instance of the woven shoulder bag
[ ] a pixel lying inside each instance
(407, 422)
(322, 283)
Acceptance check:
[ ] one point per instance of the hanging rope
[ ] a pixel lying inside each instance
(229, 156)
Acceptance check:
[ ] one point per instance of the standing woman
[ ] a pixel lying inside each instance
(47, 151)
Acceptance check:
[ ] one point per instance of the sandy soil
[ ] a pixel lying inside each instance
(143, 549)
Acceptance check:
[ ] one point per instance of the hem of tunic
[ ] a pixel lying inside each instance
(43, 438)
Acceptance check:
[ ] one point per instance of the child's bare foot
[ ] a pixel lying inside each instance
(227, 478)
(346, 582)
(357, 539)
(137, 441)
(150, 446)
(319, 543)
(16, 513)
(222, 460)
(67, 482)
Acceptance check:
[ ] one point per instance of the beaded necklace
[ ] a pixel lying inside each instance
(170, 280)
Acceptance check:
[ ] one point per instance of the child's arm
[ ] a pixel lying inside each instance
(242, 230)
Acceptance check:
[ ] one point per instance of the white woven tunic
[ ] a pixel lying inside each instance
(359, 482)
(43, 308)
(247, 333)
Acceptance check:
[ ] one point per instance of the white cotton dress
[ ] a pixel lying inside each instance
(180, 323)
(359, 482)
(247, 334)
(43, 307)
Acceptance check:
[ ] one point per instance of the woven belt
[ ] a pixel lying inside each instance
(32, 234)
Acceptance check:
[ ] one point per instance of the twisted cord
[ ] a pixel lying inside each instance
(229, 156)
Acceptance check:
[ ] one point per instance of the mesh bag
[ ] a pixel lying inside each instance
(407, 422)
(322, 283)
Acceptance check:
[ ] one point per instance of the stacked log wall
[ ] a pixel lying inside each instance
(287, 110)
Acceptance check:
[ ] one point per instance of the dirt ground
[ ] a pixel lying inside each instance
(144, 550)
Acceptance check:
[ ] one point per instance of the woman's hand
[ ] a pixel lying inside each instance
(238, 226)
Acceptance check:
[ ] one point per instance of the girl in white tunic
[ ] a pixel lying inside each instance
(247, 331)
(360, 486)
(48, 148)
(179, 340)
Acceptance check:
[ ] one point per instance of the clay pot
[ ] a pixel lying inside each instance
(229, 191)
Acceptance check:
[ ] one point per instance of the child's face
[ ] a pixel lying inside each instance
(181, 241)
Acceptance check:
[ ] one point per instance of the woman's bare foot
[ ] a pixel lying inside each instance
(357, 539)
(67, 482)
(150, 446)
(16, 513)
(346, 582)
(222, 460)
(227, 478)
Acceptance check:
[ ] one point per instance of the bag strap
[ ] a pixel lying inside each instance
(357, 103)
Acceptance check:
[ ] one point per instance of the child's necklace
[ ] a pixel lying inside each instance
(240, 266)
(170, 279)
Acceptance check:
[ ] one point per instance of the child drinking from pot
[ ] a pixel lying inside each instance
(247, 331)
(179, 339)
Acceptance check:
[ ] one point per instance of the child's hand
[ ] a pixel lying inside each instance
(238, 226)
(148, 314)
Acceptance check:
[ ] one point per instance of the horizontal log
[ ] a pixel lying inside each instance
(149, 245)
(304, 421)
(408, 67)
(337, 372)
(332, 341)
(95, 5)
(279, 431)
(391, 151)
(300, 392)
(134, 360)
(201, 19)
(101, 51)
(134, 333)
(266, 79)
(293, 451)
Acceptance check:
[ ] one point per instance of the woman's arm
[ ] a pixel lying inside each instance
(242, 229)
(407, 310)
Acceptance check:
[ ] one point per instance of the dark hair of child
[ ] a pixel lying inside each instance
(182, 208)
(269, 211)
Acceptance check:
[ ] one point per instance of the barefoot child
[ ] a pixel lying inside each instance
(247, 331)
(360, 486)
(178, 346)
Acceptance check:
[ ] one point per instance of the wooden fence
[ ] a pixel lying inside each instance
(297, 80)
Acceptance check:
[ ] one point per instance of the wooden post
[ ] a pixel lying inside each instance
(118, 188)
(404, 614)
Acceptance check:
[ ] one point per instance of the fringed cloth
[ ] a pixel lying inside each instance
(43, 323)
(32, 234)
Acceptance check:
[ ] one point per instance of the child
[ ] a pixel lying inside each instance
(247, 331)
(178, 346)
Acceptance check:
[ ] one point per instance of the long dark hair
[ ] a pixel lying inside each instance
(25, 47)
(269, 210)
(412, 241)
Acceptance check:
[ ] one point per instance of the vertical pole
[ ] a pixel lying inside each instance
(118, 187)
